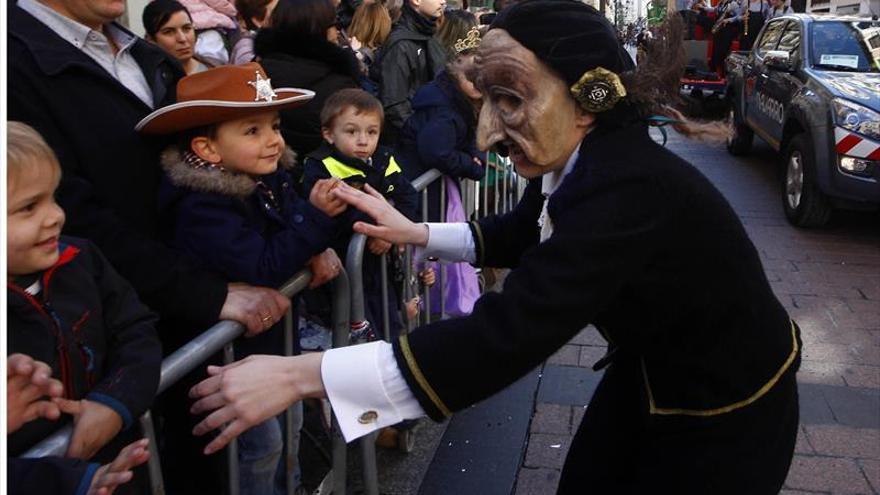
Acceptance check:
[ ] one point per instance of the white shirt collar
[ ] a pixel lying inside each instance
(74, 32)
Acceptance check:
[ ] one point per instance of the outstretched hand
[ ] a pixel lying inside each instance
(247, 392)
(109, 476)
(391, 225)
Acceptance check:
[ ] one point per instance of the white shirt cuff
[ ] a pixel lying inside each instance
(366, 389)
(452, 242)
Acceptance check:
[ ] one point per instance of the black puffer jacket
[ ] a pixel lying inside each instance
(410, 58)
(293, 60)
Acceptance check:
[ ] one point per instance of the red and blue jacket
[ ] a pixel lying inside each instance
(88, 324)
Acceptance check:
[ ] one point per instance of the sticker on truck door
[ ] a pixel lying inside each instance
(770, 107)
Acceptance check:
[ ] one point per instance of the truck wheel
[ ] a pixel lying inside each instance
(740, 142)
(804, 203)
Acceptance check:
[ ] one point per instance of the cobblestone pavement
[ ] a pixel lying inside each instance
(829, 280)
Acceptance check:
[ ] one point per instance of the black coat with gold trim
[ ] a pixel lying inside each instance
(645, 248)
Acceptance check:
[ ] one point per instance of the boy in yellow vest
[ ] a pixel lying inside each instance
(351, 122)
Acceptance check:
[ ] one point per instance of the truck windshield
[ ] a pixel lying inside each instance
(845, 46)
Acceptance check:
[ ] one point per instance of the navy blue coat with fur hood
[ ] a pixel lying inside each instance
(256, 234)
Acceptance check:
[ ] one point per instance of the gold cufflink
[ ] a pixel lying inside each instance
(368, 417)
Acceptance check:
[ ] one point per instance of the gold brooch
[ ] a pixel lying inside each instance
(598, 90)
(469, 42)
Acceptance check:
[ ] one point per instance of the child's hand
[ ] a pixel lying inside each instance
(427, 277)
(378, 246)
(325, 267)
(94, 424)
(412, 308)
(323, 198)
(27, 381)
(109, 476)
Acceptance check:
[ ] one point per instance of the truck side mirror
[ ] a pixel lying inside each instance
(778, 60)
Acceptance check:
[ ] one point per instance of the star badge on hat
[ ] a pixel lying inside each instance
(598, 90)
(264, 88)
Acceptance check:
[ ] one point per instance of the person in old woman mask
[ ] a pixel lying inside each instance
(698, 393)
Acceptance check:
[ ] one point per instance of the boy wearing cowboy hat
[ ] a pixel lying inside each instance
(224, 200)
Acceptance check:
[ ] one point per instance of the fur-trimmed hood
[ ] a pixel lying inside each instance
(278, 43)
(211, 180)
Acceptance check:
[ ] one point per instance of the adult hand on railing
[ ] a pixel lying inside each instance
(27, 383)
(325, 267)
(257, 308)
(248, 392)
(94, 425)
(322, 197)
(391, 225)
(109, 476)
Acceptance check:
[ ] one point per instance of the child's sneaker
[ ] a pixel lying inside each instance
(361, 331)
(314, 337)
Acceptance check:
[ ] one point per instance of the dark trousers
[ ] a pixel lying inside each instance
(721, 46)
(621, 448)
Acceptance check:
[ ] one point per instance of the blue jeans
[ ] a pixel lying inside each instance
(259, 450)
(262, 465)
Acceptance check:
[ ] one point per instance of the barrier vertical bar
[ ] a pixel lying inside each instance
(427, 313)
(504, 187)
(408, 291)
(154, 464)
(440, 266)
(371, 470)
(341, 318)
(290, 454)
(386, 316)
(354, 266)
(232, 448)
(485, 211)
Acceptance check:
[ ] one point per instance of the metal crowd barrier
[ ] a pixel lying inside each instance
(480, 199)
(198, 350)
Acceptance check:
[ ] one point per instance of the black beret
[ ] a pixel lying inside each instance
(568, 35)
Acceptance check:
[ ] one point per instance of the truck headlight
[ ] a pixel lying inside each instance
(856, 118)
(857, 166)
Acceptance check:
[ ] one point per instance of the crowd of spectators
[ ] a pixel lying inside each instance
(160, 232)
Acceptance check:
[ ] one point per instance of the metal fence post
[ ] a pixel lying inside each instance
(290, 454)
(232, 448)
(154, 464)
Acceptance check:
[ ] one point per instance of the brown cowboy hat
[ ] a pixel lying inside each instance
(221, 94)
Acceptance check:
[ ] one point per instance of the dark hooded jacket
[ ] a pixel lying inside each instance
(88, 325)
(410, 58)
(293, 60)
(440, 134)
